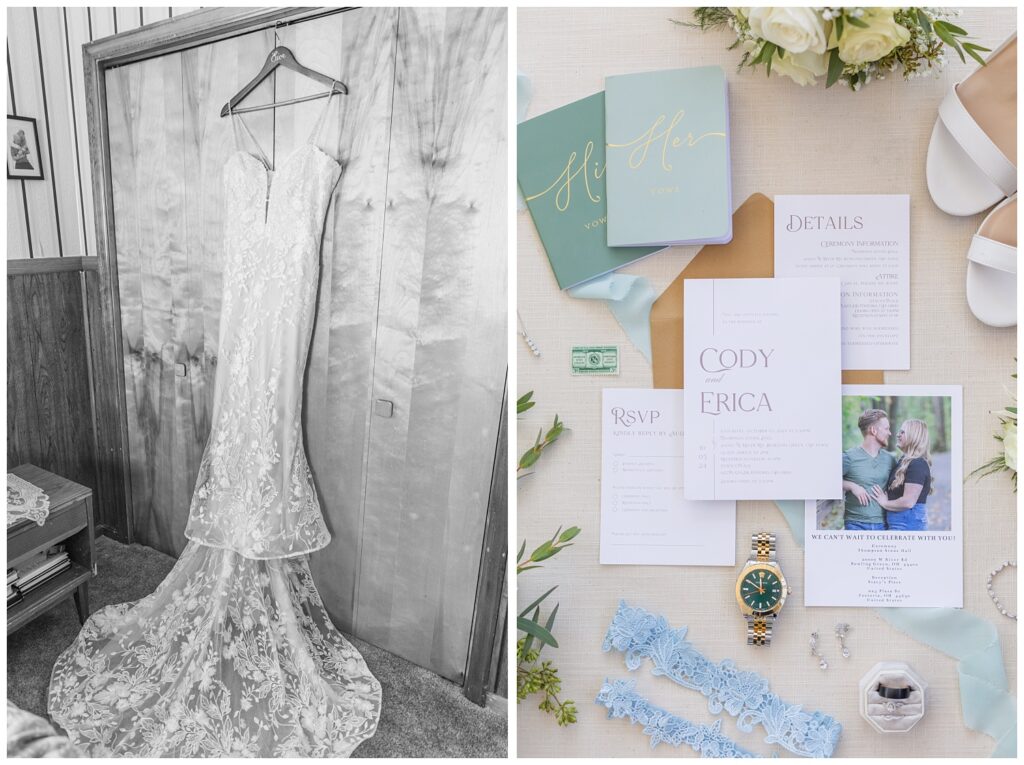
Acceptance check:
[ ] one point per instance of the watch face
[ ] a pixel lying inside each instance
(761, 589)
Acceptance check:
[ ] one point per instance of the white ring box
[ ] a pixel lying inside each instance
(888, 715)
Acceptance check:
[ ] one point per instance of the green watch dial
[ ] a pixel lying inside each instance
(761, 589)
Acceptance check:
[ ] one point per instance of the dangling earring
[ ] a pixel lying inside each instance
(815, 652)
(841, 630)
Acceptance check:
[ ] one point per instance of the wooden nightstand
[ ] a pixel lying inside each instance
(70, 521)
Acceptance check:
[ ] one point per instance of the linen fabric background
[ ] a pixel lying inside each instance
(785, 139)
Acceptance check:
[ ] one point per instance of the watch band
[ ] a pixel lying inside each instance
(762, 547)
(759, 626)
(759, 629)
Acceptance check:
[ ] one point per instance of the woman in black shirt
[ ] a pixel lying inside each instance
(910, 482)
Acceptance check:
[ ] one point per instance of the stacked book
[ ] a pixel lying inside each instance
(35, 572)
(629, 171)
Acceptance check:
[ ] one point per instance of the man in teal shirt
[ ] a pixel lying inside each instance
(865, 466)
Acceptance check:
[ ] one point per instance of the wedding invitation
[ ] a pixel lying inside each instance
(561, 172)
(896, 536)
(668, 157)
(645, 518)
(762, 388)
(864, 240)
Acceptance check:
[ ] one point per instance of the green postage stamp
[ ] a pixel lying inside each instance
(595, 359)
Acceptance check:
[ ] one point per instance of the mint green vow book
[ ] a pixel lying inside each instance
(669, 177)
(561, 172)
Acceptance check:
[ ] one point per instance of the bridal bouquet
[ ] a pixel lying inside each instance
(855, 45)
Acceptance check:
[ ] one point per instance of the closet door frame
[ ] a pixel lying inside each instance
(169, 36)
(166, 36)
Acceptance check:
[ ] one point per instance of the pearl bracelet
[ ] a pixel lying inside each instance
(995, 598)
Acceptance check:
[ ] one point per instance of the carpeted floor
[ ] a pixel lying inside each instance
(423, 715)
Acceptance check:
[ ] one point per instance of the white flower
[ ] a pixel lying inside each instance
(882, 35)
(795, 30)
(1010, 444)
(803, 68)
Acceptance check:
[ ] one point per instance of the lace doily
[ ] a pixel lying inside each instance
(745, 695)
(25, 501)
(623, 701)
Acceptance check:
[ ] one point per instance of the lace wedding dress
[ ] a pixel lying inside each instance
(234, 654)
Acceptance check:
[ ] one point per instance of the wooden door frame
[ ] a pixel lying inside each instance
(158, 39)
(488, 620)
(169, 36)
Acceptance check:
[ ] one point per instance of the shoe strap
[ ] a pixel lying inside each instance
(979, 147)
(989, 252)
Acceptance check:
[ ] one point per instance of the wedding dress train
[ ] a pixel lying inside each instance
(234, 653)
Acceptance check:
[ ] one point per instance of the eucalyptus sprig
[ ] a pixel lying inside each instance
(531, 676)
(542, 678)
(544, 440)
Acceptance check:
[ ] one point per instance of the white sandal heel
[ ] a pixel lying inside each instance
(992, 267)
(972, 154)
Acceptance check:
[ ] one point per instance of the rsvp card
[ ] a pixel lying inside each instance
(644, 517)
(864, 240)
(762, 388)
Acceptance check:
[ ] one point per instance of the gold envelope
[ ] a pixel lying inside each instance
(750, 254)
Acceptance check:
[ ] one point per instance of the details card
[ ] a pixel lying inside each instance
(864, 240)
(644, 517)
(896, 536)
(762, 388)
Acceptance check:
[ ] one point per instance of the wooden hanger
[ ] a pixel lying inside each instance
(281, 56)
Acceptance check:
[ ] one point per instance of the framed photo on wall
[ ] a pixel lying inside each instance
(23, 158)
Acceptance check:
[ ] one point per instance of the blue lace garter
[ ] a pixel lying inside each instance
(745, 695)
(623, 701)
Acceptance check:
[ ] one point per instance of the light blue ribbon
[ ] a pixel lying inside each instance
(987, 705)
(629, 298)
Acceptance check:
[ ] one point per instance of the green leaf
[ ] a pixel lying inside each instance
(550, 623)
(533, 629)
(543, 552)
(538, 601)
(522, 549)
(527, 568)
(954, 28)
(974, 54)
(835, 68)
(529, 458)
(946, 37)
(922, 19)
(569, 534)
(523, 402)
(770, 48)
(839, 27)
(857, 22)
(1008, 409)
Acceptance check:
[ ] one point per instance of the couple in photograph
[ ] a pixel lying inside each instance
(885, 491)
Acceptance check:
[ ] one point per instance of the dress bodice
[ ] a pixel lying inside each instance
(255, 493)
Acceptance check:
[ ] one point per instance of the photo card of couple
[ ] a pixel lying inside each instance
(896, 536)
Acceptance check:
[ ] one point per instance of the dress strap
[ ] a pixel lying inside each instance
(235, 120)
(314, 137)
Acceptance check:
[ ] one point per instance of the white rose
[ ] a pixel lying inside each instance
(803, 68)
(861, 45)
(1010, 445)
(795, 30)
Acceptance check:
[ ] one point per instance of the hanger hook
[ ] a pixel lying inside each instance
(277, 39)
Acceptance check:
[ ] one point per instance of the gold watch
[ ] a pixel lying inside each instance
(761, 589)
